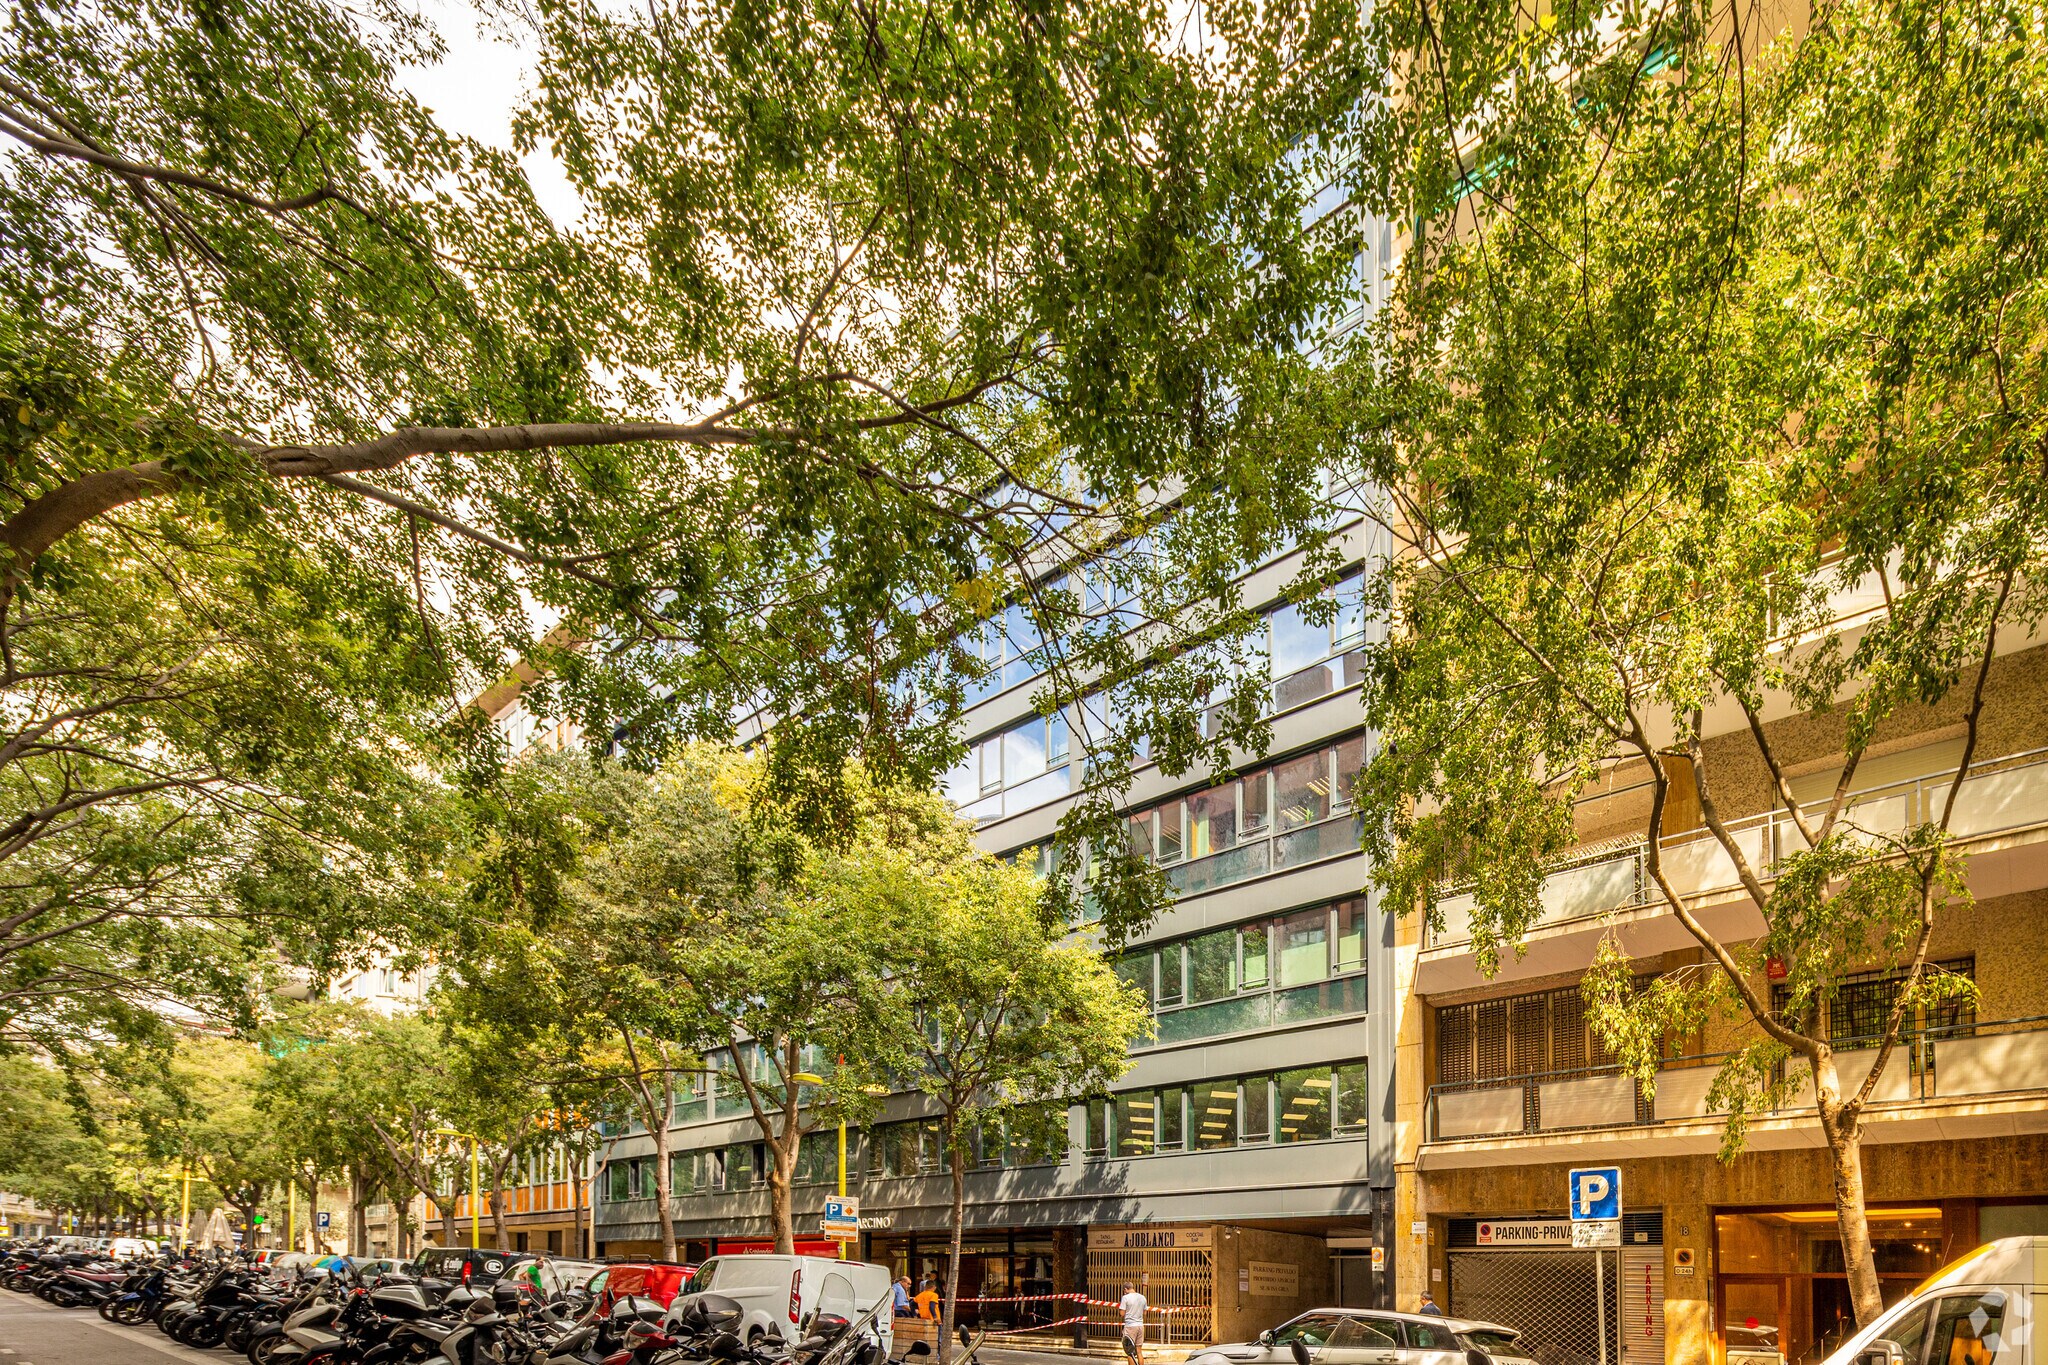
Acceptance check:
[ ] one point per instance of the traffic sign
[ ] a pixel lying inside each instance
(841, 1222)
(324, 1220)
(1595, 1194)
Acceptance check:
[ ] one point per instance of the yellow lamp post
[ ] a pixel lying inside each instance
(475, 1184)
(806, 1078)
(185, 1211)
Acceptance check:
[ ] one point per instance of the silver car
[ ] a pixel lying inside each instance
(1362, 1336)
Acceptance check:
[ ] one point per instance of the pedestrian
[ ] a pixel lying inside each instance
(928, 1300)
(902, 1288)
(1429, 1305)
(1134, 1305)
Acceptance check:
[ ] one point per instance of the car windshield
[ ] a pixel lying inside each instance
(1492, 1342)
(742, 1272)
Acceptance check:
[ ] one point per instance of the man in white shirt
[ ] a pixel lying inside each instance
(1133, 1305)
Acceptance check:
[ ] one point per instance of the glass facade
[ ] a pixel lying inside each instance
(1303, 1104)
(1305, 965)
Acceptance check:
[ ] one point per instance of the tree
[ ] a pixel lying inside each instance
(994, 1012)
(226, 1135)
(1721, 325)
(785, 424)
(724, 894)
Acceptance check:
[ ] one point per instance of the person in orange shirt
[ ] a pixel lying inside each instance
(927, 1300)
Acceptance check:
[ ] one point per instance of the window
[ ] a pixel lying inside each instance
(1095, 1141)
(1966, 1329)
(742, 1169)
(1212, 965)
(1353, 1104)
(1026, 765)
(1312, 1330)
(1215, 1115)
(1301, 791)
(1137, 1124)
(1518, 1036)
(1256, 1121)
(1304, 1099)
(1224, 833)
(1378, 1334)
(1428, 1336)
(1304, 947)
(618, 1181)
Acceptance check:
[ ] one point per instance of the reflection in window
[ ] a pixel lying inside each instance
(1215, 1115)
(1304, 947)
(1304, 1098)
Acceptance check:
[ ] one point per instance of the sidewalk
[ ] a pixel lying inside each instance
(1049, 1353)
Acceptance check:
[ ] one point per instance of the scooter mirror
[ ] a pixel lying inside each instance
(917, 1348)
(965, 1339)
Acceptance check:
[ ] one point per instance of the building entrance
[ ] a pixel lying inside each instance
(1526, 1272)
(1782, 1288)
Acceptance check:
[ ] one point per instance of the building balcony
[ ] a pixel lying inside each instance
(1958, 1081)
(2000, 820)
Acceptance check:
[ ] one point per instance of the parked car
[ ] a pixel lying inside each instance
(781, 1294)
(130, 1249)
(374, 1268)
(1353, 1336)
(467, 1265)
(660, 1281)
(1974, 1311)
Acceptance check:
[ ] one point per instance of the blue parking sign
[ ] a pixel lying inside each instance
(1595, 1193)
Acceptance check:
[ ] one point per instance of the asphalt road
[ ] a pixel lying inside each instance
(34, 1333)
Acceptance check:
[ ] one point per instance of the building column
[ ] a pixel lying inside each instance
(1688, 1298)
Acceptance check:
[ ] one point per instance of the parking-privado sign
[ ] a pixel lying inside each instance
(1595, 1193)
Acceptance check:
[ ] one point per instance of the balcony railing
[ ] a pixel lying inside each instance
(1937, 1063)
(2000, 794)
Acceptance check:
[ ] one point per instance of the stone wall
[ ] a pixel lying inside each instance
(1689, 1188)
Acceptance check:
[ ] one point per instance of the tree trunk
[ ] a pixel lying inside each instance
(1845, 1147)
(781, 1176)
(497, 1204)
(663, 1215)
(358, 1213)
(949, 1308)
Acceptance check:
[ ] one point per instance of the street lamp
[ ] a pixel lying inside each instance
(475, 1234)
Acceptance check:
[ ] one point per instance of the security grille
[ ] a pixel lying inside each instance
(1180, 1280)
(1549, 1296)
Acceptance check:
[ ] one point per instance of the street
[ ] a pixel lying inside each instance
(35, 1333)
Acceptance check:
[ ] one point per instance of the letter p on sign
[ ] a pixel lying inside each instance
(1596, 1193)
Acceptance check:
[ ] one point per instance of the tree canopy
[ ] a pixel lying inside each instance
(873, 316)
(1710, 334)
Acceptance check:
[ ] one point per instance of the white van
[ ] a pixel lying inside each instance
(131, 1249)
(1977, 1311)
(781, 1294)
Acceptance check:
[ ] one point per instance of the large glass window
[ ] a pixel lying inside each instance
(1304, 947)
(1256, 1110)
(1303, 1098)
(1301, 788)
(1212, 965)
(1013, 770)
(1137, 1124)
(1307, 1104)
(1215, 1114)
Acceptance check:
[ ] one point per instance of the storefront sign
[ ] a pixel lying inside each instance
(1275, 1280)
(877, 1222)
(1525, 1232)
(1149, 1239)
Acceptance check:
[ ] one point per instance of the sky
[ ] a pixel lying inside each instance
(475, 90)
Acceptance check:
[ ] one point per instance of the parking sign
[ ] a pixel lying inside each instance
(1595, 1193)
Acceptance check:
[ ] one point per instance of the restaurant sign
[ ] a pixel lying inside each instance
(1149, 1239)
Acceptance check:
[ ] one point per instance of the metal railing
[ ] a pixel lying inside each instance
(2000, 794)
(1931, 1063)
